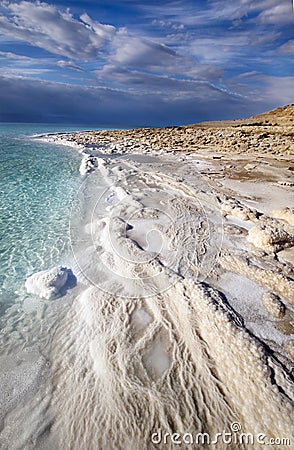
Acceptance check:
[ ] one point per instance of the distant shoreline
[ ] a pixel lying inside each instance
(269, 133)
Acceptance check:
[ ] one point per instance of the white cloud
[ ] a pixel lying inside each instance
(136, 52)
(13, 56)
(103, 30)
(271, 91)
(168, 24)
(279, 90)
(217, 51)
(28, 65)
(287, 48)
(141, 81)
(280, 13)
(216, 11)
(23, 72)
(44, 26)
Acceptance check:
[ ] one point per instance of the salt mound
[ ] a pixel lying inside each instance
(269, 238)
(47, 283)
(88, 164)
(289, 347)
(286, 214)
(232, 206)
(273, 305)
(271, 279)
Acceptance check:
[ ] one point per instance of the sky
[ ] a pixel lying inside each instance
(144, 63)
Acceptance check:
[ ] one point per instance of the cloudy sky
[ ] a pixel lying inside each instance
(139, 63)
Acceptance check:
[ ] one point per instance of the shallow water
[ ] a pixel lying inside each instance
(38, 182)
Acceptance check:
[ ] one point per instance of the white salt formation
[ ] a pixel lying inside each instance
(271, 279)
(88, 164)
(146, 344)
(269, 238)
(187, 365)
(178, 360)
(235, 208)
(273, 305)
(47, 284)
(286, 214)
(18, 381)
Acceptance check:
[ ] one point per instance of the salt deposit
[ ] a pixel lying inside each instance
(149, 372)
(269, 238)
(235, 208)
(19, 380)
(88, 164)
(289, 347)
(47, 284)
(286, 214)
(157, 356)
(277, 282)
(273, 305)
(161, 333)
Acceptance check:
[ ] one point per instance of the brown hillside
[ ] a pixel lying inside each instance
(279, 116)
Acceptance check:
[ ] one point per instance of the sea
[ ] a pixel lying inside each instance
(38, 184)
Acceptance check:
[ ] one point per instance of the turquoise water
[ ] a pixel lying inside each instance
(38, 183)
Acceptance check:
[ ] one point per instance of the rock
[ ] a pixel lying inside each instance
(238, 136)
(88, 164)
(286, 183)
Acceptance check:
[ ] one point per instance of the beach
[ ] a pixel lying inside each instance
(178, 326)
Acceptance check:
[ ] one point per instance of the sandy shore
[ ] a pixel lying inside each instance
(184, 258)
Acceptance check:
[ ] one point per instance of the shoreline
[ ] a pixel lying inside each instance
(234, 177)
(269, 133)
(184, 302)
(240, 170)
(233, 292)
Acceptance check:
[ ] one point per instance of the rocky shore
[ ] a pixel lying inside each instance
(270, 133)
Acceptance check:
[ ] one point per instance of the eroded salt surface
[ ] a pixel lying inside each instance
(157, 356)
(270, 238)
(286, 214)
(19, 380)
(148, 343)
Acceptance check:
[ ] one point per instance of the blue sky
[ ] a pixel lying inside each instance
(134, 63)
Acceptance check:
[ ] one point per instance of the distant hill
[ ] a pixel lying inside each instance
(283, 111)
(283, 116)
